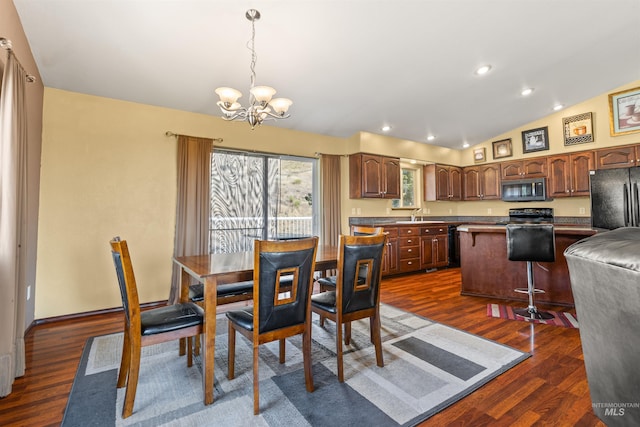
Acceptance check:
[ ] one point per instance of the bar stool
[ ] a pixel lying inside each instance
(531, 243)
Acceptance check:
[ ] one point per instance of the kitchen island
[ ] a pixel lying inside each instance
(487, 272)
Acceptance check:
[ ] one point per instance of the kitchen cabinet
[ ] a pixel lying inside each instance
(569, 174)
(409, 249)
(390, 263)
(442, 182)
(372, 176)
(434, 243)
(524, 169)
(481, 182)
(618, 157)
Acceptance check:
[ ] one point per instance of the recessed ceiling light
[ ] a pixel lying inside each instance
(386, 128)
(483, 70)
(465, 145)
(558, 107)
(527, 91)
(431, 138)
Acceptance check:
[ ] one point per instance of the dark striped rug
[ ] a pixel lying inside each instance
(560, 318)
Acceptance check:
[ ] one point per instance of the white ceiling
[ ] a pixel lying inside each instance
(349, 65)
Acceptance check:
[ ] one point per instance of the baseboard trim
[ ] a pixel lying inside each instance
(76, 316)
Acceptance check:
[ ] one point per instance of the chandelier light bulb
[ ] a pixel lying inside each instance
(262, 94)
(228, 96)
(280, 105)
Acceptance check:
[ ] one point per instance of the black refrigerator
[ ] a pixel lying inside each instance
(614, 198)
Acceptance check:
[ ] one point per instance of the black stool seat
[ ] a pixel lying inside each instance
(531, 243)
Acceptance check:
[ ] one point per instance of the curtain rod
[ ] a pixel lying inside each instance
(169, 133)
(7, 45)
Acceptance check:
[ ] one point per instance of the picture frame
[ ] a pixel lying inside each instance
(535, 139)
(502, 148)
(624, 112)
(479, 155)
(577, 129)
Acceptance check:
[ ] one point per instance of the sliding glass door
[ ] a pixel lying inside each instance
(258, 196)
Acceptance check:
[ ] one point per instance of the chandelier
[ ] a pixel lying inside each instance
(261, 105)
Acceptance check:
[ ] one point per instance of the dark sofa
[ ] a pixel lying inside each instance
(605, 280)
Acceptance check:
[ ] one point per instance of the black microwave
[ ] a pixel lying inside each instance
(524, 190)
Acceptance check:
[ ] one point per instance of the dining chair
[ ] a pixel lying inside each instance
(148, 327)
(277, 314)
(357, 292)
(329, 283)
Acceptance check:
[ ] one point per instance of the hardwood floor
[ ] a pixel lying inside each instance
(549, 388)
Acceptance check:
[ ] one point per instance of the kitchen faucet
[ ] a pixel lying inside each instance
(413, 214)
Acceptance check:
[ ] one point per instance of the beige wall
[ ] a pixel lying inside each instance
(108, 169)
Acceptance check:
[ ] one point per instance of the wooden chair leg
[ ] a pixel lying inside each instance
(306, 356)
(231, 351)
(321, 320)
(347, 333)
(376, 338)
(282, 351)
(132, 382)
(183, 346)
(189, 351)
(256, 381)
(125, 360)
(339, 351)
(197, 346)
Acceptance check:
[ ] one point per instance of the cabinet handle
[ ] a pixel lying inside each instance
(409, 263)
(408, 250)
(408, 231)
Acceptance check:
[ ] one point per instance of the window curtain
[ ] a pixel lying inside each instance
(13, 212)
(192, 203)
(330, 183)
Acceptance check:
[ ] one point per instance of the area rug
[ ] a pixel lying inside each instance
(427, 367)
(560, 318)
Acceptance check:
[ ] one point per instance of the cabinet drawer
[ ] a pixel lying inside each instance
(432, 231)
(409, 241)
(392, 232)
(409, 231)
(409, 252)
(412, 264)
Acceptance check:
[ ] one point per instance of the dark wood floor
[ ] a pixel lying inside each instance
(550, 388)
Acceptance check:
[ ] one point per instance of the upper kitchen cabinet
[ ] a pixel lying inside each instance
(442, 182)
(372, 176)
(569, 174)
(618, 157)
(481, 182)
(523, 169)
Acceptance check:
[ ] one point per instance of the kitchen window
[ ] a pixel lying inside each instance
(261, 196)
(408, 190)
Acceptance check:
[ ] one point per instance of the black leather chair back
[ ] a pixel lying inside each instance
(361, 271)
(531, 242)
(277, 260)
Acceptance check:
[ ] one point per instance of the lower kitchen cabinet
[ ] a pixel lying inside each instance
(434, 243)
(390, 263)
(409, 249)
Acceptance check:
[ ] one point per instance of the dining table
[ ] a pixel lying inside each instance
(217, 269)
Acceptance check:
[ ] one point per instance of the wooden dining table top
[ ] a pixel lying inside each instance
(239, 266)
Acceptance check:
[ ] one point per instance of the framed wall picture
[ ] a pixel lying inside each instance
(624, 112)
(479, 155)
(577, 129)
(535, 140)
(502, 149)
